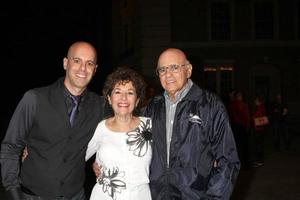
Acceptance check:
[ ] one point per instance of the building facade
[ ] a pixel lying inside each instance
(247, 45)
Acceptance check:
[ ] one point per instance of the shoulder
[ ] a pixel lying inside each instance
(34, 93)
(95, 99)
(208, 103)
(29, 94)
(211, 96)
(155, 103)
(204, 97)
(101, 124)
(48, 89)
(145, 119)
(94, 95)
(157, 99)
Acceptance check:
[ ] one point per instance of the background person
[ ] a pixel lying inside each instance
(259, 132)
(279, 124)
(240, 121)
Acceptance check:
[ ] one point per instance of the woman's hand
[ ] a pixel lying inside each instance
(25, 154)
(97, 169)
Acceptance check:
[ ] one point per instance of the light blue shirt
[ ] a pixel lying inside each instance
(170, 112)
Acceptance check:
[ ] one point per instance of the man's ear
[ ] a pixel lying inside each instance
(189, 70)
(65, 62)
(95, 70)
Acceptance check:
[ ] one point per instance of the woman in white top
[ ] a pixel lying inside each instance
(122, 143)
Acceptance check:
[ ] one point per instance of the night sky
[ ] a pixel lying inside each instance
(36, 37)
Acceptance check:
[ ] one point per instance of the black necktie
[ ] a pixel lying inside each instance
(75, 102)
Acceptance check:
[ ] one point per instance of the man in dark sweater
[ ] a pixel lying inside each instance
(55, 166)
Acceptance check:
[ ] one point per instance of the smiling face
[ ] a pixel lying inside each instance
(174, 82)
(123, 99)
(80, 66)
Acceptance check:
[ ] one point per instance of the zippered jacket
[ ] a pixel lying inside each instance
(203, 159)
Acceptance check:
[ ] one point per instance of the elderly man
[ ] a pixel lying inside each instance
(194, 153)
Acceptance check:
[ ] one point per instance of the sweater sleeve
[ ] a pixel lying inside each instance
(15, 140)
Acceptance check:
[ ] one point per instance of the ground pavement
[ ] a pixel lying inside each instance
(278, 179)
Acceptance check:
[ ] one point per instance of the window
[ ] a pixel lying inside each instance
(123, 3)
(220, 20)
(298, 18)
(219, 78)
(126, 16)
(187, 19)
(210, 78)
(226, 79)
(263, 19)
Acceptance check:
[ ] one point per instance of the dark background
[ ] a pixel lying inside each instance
(35, 38)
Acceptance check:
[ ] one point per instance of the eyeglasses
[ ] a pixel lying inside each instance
(174, 68)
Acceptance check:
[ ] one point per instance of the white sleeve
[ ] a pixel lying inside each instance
(93, 144)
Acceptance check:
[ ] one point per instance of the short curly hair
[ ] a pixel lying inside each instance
(125, 74)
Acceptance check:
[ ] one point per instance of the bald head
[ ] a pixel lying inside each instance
(172, 55)
(82, 45)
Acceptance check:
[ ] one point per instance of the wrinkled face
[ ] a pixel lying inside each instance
(176, 71)
(80, 66)
(123, 99)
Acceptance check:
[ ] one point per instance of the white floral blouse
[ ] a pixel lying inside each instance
(125, 158)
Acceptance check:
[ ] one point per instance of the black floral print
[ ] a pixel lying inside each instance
(112, 182)
(140, 139)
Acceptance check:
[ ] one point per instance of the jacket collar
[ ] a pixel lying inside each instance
(195, 93)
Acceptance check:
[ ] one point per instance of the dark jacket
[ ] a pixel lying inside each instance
(201, 135)
(56, 162)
